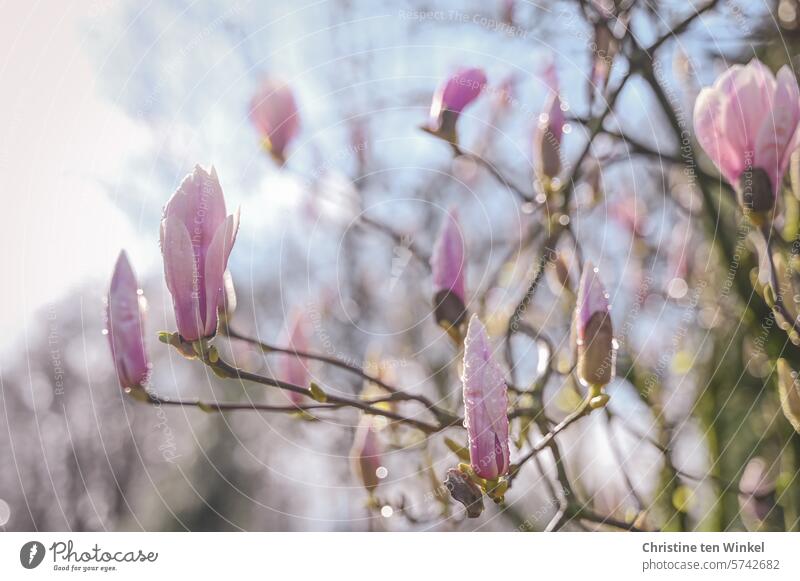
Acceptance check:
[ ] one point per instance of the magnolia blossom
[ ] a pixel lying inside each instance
(197, 236)
(485, 405)
(295, 369)
(450, 99)
(449, 271)
(366, 454)
(273, 111)
(549, 132)
(595, 335)
(747, 124)
(125, 313)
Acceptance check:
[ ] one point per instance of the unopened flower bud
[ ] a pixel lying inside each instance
(485, 405)
(595, 335)
(125, 313)
(789, 391)
(448, 263)
(366, 454)
(450, 99)
(273, 111)
(196, 240)
(547, 141)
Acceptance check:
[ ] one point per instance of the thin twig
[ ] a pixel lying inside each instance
(445, 417)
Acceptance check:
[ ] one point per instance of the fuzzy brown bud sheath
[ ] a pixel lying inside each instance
(463, 490)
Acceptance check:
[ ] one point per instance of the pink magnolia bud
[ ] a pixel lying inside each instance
(595, 335)
(758, 504)
(549, 133)
(631, 214)
(485, 405)
(125, 314)
(273, 111)
(450, 99)
(294, 368)
(747, 124)
(196, 240)
(449, 271)
(507, 11)
(366, 453)
(604, 49)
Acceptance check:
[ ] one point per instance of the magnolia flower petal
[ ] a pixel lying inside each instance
(709, 129)
(749, 91)
(182, 276)
(776, 138)
(199, 203)
(214, 273)
(462, 89)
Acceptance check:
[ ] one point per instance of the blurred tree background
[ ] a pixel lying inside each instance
(694, 437)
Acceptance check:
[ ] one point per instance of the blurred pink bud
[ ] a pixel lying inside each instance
(485, 405)
(548, 136)
(507, 10)
(366, 453)
(758, 504)
(294, 368)
(604, 48)
(196, 240)
(605, 8)
(595, 334)
(450, 99)
(631, 214)
(504, 97)
(273, 111)
(747, 124)
(449, 270)
(125, 314)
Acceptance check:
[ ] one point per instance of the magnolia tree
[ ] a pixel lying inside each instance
(738, 148)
